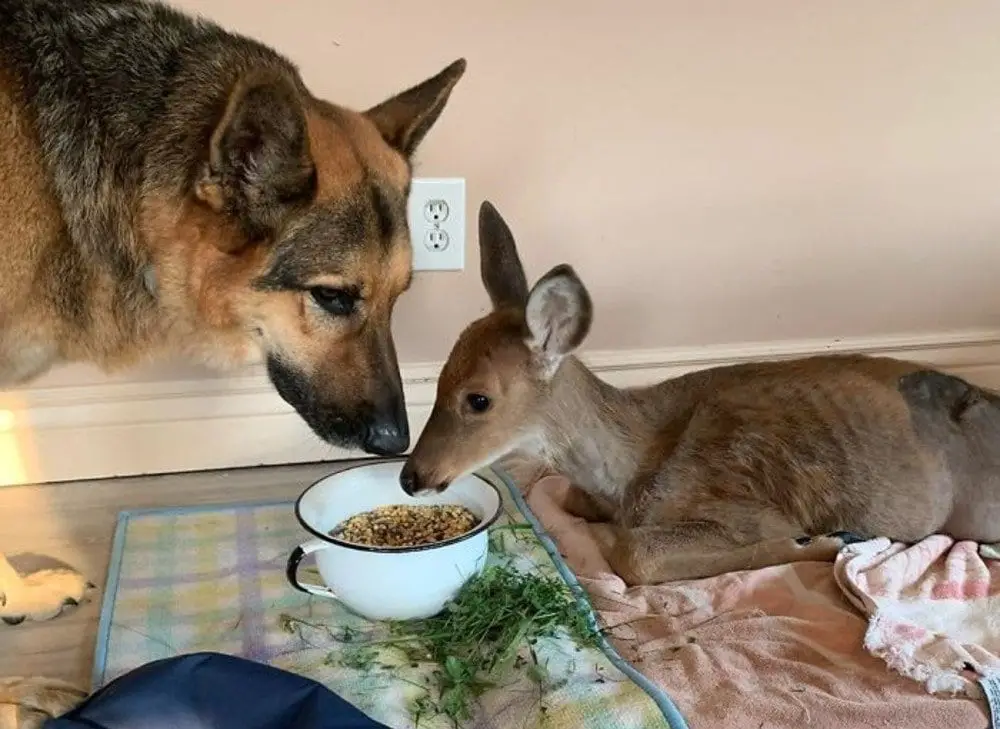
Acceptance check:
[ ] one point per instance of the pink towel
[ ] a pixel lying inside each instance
(778, 648)
(933, 609)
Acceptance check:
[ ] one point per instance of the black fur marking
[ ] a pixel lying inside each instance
(331, 425)
(802, 541)
(383, 215)
(319, 240)
(14, 621)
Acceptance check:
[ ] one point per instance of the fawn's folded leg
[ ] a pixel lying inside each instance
(654, 555)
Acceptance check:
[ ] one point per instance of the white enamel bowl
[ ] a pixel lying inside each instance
(389, 583)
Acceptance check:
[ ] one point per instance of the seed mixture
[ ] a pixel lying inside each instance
(401, 525)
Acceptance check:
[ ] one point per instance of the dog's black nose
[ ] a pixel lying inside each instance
(387, 438)
(388, 433)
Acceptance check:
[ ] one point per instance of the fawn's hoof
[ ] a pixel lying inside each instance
(844, 537)
(848, 537)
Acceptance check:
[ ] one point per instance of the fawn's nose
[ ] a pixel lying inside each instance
(413, 483)
(408, 480)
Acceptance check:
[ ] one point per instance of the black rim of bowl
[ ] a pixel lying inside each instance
(483, 525)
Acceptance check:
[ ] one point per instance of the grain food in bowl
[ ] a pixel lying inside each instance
(400, 525)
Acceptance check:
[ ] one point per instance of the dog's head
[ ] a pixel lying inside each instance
(314, 248)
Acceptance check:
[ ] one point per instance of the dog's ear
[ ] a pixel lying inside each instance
(259, 162)
(499, 265)
(404, 119)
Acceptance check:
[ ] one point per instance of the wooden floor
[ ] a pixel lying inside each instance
(75, 523)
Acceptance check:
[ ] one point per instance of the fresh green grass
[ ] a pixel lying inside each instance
(476, 640)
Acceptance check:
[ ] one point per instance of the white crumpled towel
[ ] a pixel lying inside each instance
(933, 609)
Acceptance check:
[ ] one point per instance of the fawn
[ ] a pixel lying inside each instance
(733, 467)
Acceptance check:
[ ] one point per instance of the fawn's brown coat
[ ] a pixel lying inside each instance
(727, 468)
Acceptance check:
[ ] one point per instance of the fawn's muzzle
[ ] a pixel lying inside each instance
(413, 483)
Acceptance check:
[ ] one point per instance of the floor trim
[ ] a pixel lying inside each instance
(134, 428)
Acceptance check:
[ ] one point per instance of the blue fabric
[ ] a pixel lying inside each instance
(213, 691)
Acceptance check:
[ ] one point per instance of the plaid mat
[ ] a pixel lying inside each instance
(212, 579)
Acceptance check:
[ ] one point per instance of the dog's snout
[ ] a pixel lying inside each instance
(387, 439)
(388, 433)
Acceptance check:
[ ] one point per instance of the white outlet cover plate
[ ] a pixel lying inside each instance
(424, 190)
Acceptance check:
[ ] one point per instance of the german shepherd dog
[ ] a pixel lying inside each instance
(171, 188)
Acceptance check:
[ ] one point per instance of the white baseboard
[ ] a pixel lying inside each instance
(130, 428)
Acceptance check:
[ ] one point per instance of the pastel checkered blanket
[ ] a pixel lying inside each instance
(212, 579)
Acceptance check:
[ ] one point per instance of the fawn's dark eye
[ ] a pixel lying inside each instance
(478, 403)
(339, 302)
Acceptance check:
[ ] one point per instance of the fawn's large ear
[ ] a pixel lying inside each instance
(259, 162)
(499, 264)
(558, 315)
(404, 119)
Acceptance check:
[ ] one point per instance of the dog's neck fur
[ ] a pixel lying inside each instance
(592, 432)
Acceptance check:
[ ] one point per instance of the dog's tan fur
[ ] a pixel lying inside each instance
(30, 216)
(206, 306)
(28, 703)
(723, 469)
(203, 205)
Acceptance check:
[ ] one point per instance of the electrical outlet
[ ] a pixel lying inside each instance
(436, 240)
(436, 211)
(436, 214)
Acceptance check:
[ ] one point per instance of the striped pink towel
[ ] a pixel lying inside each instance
(933, 609)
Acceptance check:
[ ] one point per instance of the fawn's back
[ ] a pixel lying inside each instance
(876, 446)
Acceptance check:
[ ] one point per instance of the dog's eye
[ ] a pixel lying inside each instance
(338, 302)
(478, 403)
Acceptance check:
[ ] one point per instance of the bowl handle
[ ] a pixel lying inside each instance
(291, 571)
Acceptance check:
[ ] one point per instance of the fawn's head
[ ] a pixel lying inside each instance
(497, 378)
